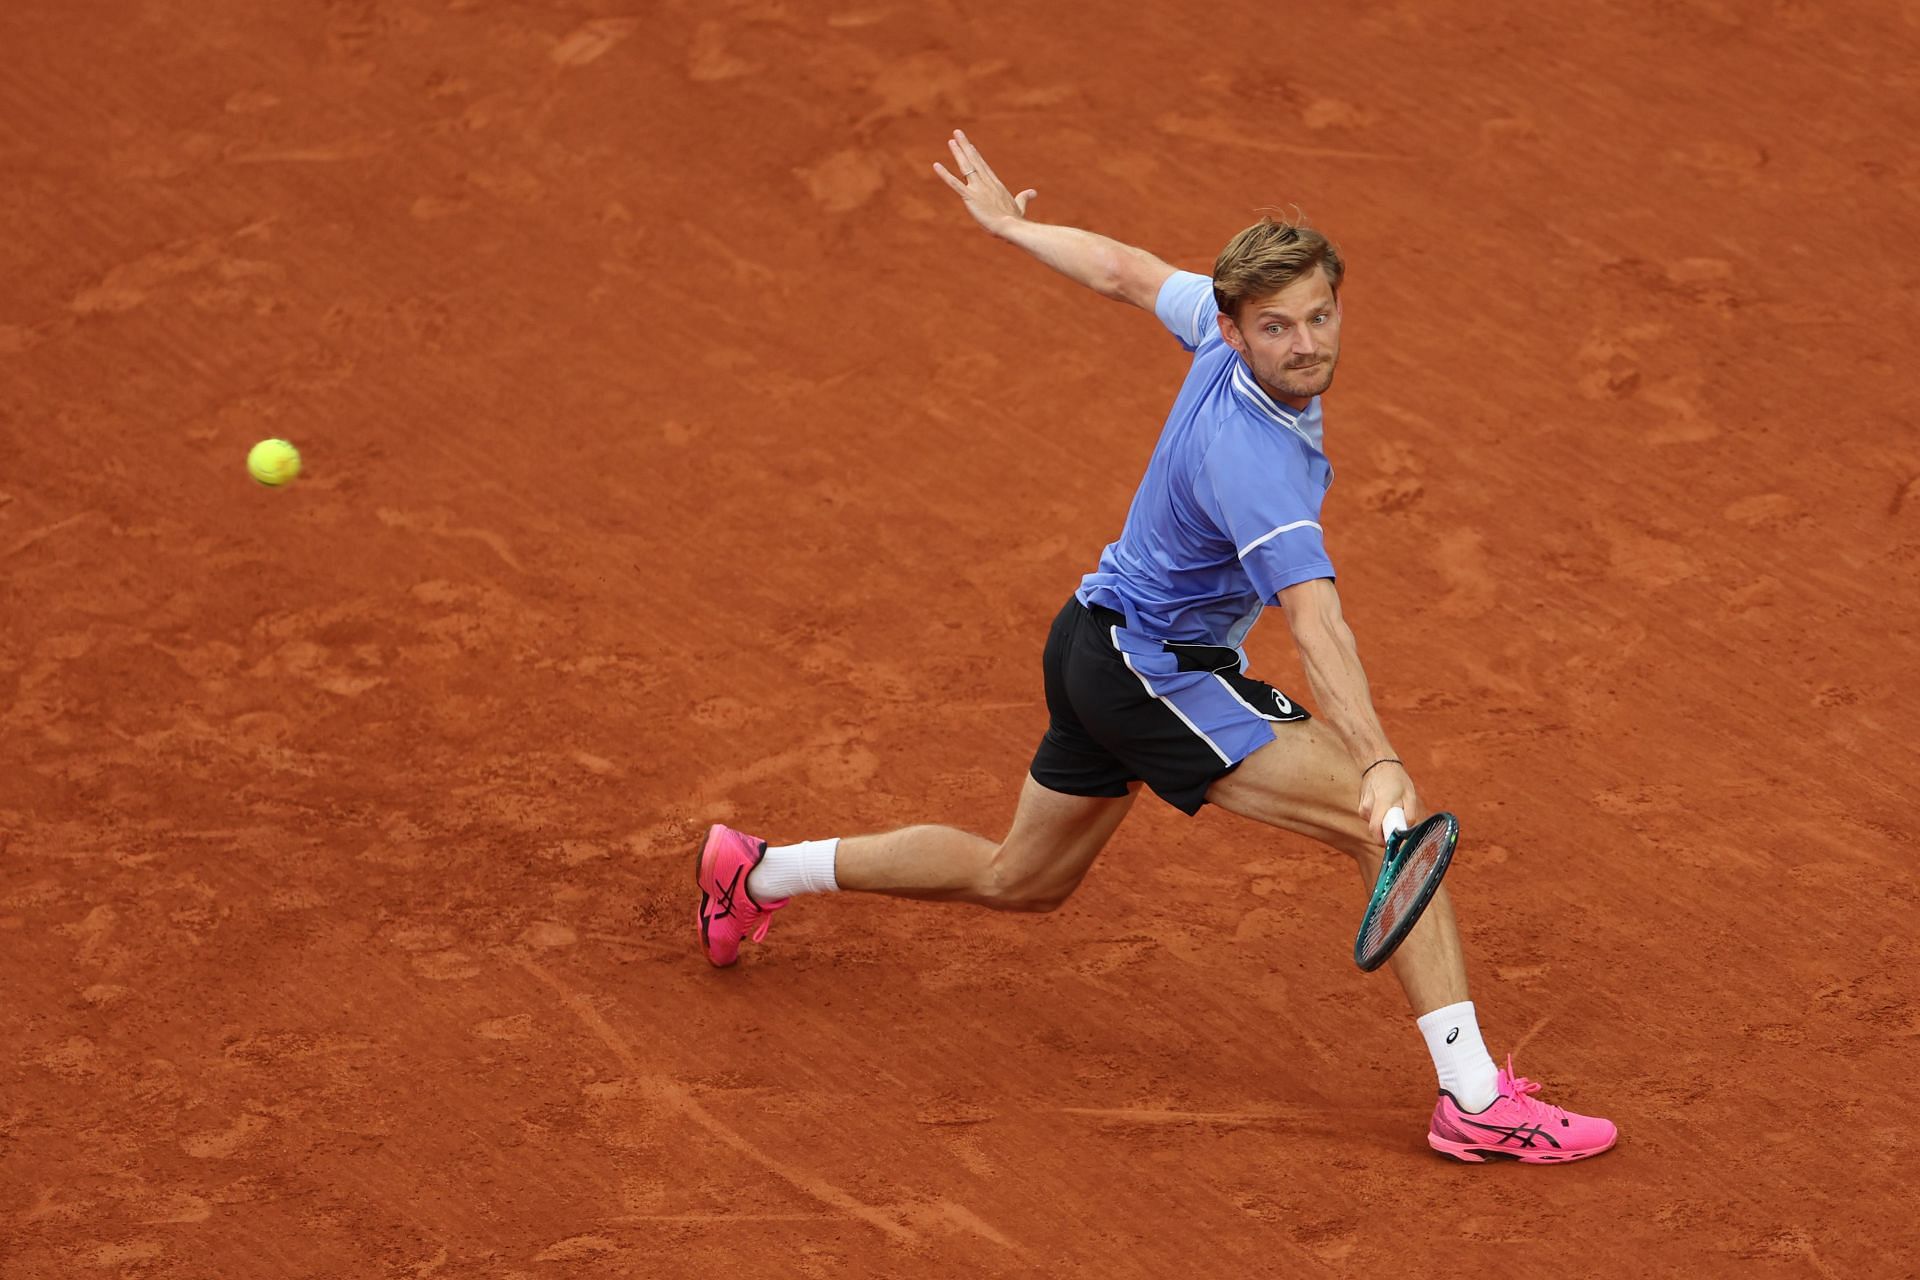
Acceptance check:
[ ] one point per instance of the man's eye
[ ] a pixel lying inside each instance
(1273, 328)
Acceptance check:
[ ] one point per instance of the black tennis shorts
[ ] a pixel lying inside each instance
(1177, 729)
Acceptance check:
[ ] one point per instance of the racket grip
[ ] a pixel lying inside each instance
(1396, 822)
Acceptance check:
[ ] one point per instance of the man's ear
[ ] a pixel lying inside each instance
(1231, 332)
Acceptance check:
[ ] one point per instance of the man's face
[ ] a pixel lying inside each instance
(1290, 338)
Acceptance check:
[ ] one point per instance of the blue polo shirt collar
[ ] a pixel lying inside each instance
(1304, 423)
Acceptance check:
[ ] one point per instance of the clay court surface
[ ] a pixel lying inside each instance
(678, 452)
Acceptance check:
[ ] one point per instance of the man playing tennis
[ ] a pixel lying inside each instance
(1144, 671)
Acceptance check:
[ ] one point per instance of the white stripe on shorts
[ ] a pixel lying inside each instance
(1114, 637)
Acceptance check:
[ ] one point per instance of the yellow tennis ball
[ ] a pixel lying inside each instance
(273, 462)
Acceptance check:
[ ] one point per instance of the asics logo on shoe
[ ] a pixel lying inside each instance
(725, 897)
(1453, 1035)
(1521, 1135)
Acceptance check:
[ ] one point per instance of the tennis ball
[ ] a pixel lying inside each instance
(273, 462)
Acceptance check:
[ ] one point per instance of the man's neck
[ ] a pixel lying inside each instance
(1297, 403)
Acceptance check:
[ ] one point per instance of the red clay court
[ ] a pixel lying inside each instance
(678, 451)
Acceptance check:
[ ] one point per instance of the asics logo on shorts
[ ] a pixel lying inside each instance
(1280, 701)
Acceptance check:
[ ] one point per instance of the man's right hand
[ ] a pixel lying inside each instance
(988, 199)
(1386, 787)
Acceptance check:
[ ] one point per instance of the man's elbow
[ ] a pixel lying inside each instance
(1136, 276)
(1113, 280)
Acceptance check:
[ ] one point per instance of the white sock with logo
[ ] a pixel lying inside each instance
(788, 869)
(1460, 1056)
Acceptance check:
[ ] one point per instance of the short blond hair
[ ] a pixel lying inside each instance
(1267, 257)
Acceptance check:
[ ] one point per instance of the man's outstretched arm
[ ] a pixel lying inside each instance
(1331, 661)
(1106, 266)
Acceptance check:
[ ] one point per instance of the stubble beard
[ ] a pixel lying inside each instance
(1305, 383)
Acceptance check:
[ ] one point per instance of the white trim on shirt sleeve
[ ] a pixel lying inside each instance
(1271, 534)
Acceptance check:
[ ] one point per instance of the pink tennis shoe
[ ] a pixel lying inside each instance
(1516, 1127)
(728, 913)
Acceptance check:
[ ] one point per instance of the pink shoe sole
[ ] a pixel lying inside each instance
(1471, 1153)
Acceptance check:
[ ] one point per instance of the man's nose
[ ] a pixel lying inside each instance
(1303, 343)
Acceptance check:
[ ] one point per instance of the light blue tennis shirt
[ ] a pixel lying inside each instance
(1228, 515)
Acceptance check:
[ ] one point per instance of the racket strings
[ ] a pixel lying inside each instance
(1409, 877)
(1404, 893)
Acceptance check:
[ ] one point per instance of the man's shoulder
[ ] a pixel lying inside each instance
(1209, 386)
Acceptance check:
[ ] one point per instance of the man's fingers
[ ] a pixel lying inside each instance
(1020, 201)
(966, 157)
(949, 179)
(970, 155)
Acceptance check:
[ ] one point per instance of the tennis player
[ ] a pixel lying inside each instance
(1144, 670)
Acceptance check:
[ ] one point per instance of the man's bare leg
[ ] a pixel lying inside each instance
(1053, 841)
(1304, 781)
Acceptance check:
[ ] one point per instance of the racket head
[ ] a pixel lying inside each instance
(1415, 863)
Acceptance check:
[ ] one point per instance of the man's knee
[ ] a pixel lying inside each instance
(1038, 902)
(1007, 889)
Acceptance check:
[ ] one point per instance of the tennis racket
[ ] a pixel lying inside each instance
(1415, 862)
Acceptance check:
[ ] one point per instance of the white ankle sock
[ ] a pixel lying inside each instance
(1460, 1056)
(788, 869)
